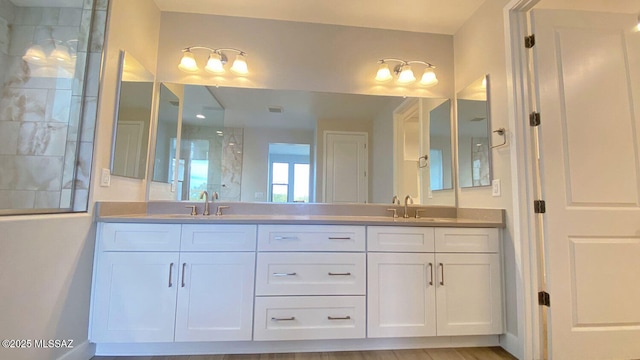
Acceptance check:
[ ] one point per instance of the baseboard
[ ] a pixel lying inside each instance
(261, 347)
(512, 345)
(83, 351)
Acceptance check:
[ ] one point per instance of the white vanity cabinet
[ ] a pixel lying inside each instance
(172, 282)
(433, 282)
(298, 267)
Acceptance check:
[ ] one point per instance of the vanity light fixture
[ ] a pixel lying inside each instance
(216, 62)
(404, 72)
(61, 53)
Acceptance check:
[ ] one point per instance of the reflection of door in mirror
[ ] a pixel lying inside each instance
(346, 165)
(133, 118)
(474, 156)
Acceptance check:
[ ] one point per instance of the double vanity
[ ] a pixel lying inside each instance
(338, 277)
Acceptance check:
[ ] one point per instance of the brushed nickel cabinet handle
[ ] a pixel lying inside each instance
(170, 274)
(340, 274)
(339, 318)
(184, 265)
(431, 272)
(339, 238)
(285, 274)
(441, 273)
(285, 238)
(283, 319)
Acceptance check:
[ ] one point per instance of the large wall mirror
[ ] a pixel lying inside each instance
(133, 118)
(260, 145)
(474, 124)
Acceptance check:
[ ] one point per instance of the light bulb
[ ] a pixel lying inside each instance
(239, 66)
(406, 75)
(214, 64)
(188, 62)
(35, 55)
(61, 54)
(428, 78)
(384, 74)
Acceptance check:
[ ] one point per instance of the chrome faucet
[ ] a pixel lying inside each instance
(395, 200)
(204, 194)
(407, 199)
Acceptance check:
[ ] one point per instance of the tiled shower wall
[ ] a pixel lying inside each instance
(42, 121)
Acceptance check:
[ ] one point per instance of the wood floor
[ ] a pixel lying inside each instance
(490, 353)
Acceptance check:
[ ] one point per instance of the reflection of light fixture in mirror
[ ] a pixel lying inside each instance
(404, 72)
(216, 62)
(61, 53)
(200, 116)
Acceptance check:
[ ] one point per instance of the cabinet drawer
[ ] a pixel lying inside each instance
(139, 237)
(311, 274)
(218, 238)
(400, 239)
(309, 318)
(482, 240)
(311, 238)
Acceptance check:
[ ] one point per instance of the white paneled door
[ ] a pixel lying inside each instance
(346, 162)
(588, 71)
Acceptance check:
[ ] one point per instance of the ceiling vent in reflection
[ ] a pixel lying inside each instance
(478, 119)
(275, 109)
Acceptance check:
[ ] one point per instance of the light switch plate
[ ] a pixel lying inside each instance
(495, 188)
(105, 178)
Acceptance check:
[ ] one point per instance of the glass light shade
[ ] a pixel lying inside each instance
(384, 73)
(428, 78)
(188, 62)
(406, 75)
(214, 64)
(61, 54)
(239, 66)
(35, 55)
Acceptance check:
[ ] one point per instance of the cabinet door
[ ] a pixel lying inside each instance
(134, 297)
(401, 295)
(215, 300)
(469, 294)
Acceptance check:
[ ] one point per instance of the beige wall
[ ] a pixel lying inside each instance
(302, 56)
(479, 48)
(139, 38)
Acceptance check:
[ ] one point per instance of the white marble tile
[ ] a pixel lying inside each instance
(70, 17)
(10, 199)
(78, 77)
(22, 36)
(100, 4)
(5, 35)
(9, 131)
(83, 172)
(93, 74)
(69, 165)
(231, 170)
(47, 200)
(89, 119)
(45, 33)
(74, 118)
(98, 31)
(80, 200)
(4, 64)
(58, 105)
(42, 138)
(8, 10)
(84, 31)
(50, 16)
(23, 104)
(37, 16)
(21, 74)
(65, 199)
(30, 172)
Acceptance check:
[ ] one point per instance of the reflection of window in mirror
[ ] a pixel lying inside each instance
(474, 156)
(289, 171)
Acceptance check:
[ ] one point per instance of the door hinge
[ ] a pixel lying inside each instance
(529, 41)
(539, 206)
(534, 119)
(544, 299)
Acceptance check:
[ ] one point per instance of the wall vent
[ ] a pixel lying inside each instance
(275, 109)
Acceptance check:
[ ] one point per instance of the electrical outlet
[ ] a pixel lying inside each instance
(105, 178)
(495, 188)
